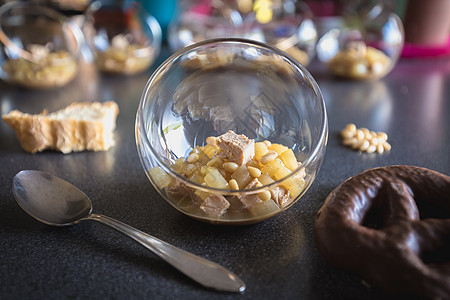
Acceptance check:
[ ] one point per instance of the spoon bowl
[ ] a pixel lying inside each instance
(50, 199)
(56, 202)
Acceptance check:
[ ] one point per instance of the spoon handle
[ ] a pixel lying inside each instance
(203, 271)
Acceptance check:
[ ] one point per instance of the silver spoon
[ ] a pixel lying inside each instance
(56, 202)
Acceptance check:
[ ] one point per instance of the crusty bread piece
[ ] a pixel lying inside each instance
(78, 127)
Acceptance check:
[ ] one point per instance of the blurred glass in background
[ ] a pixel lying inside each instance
(365, 42)
(285, 24)
(122, 36)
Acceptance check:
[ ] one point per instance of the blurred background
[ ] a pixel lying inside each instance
(353, 39)
(55, 52)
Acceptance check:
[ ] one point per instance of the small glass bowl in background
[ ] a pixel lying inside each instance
(39, 47)
(235, 84)
(367, 45)
(287, 24)
(69, 7)
(124, 38)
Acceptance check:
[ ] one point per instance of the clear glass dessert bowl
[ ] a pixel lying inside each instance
(123, 37)
(39, 47)
(286, 24)
(366, 45)
(231, 131)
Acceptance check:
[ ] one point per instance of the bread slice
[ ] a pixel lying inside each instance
(78, 127)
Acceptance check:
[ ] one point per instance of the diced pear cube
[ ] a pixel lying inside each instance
(160, 177)
(272, 167)
(278, 148)
(209, 150)
(282, 172)
(242, 176)
(264, 208)
(178, 166)
(216, 180)
(197, 177)
(289, 159)
(179, 161)
(265, 179)
(202, 194)
(295, 186)
(206, 169)
(203, 159)
(260, 150)
(190, 169)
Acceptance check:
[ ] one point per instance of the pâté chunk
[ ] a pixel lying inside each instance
(235, 147)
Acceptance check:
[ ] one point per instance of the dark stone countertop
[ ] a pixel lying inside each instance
(276, 258)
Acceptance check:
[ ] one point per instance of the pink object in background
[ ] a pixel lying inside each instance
(417, 50)
(427, 28)
(202, 7)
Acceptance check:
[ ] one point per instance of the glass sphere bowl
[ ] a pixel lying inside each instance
(367, 45)
(125, 39)
(287, 24)
(270, 103)
(39, 47)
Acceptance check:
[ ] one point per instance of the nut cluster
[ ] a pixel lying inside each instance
(362, 139)
(48, 68)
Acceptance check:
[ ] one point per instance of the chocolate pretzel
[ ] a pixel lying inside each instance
(391, 225)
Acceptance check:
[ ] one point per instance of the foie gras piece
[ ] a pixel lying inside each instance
(280, 196)
(179, 188)
(235, 147)
(215, 205)
(253, 199)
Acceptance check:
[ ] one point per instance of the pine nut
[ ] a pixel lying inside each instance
(367, 134)
(268, 157)
(253, 163)
(190, 168)
(192, 158)
(380, 148)
(230, 166)
(264, 196)
(349, 142)
(371, 149)
(357, 143)
(254, 172)
(233, 184)
(364, 145)
(268, 143)
(347, 134)
(359, 134)
(382, 136)
(363, 139)
(351, 127)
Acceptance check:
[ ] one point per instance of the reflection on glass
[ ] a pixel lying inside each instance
(287, 24)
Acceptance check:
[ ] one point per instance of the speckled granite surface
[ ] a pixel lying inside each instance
(276, 258)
